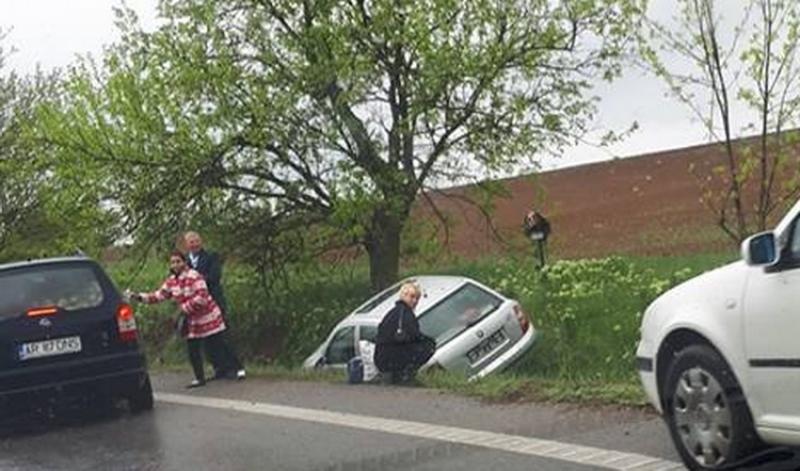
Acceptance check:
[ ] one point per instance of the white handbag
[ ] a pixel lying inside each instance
(367, 354)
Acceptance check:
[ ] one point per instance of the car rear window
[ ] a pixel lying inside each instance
(68, 287)
(463, 308)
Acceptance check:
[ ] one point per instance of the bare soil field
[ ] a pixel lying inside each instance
(645, 205)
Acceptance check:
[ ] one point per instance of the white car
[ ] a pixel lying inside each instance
(477, 330)
(719, 355)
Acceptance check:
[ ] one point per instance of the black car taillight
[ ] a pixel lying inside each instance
(126, 323)
(522, 318)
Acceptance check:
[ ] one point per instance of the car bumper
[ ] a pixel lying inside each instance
(645, 363)
(113, 374)
(511, 355)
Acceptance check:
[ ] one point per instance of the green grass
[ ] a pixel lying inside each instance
(587, 312)
(501, 388)
(509, 387)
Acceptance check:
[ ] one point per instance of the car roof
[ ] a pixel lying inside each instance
(434, 289)
(43, 261)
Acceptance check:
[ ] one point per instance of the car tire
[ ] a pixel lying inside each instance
(707, 414)
(142, 399)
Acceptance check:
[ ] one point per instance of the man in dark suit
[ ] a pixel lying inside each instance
(209, 265)
(226, 363)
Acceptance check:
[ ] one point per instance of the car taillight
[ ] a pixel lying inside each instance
(522, 318)
(41, 311)
(126, 323)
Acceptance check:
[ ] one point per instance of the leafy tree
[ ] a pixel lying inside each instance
(39, 215)
(726, 76)
(334, 115)
(17, 194)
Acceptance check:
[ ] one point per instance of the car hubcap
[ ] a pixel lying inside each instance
(702, 416)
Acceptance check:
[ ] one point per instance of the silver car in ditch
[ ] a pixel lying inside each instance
(477, 330)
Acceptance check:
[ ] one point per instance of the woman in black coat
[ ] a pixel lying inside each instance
(400, 347)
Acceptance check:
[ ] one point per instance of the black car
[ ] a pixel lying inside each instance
(66, 334)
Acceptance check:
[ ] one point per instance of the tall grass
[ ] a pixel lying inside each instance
(587, 311)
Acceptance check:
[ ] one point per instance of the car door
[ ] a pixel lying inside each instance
(772, 337)
(341, 348)
(368, 332)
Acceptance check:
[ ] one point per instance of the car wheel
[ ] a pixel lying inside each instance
(706, 411)
(142, 399)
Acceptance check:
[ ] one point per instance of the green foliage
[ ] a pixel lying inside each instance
(282, 322)
(591, 312)
(339, 112)
(587, 313)
(18, 196)
(39, 215)
(298, 312)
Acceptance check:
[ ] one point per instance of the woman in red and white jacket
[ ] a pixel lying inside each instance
(204, 323)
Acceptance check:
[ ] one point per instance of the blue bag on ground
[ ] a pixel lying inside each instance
(355, 370)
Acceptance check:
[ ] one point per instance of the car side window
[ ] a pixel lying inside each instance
(368, 332)
(342, 346)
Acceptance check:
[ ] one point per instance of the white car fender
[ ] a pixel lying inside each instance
(717, 338)
(709, 305)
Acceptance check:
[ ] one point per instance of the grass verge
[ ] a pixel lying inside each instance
(502, 388)
(588, 313)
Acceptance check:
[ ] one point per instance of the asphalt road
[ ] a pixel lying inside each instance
(258, 424)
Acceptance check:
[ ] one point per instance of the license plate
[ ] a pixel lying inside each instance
(486, 346)
(47, 348)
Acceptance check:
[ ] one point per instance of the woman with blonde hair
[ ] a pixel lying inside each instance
(400, 347)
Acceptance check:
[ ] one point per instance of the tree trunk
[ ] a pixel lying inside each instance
(383, 246)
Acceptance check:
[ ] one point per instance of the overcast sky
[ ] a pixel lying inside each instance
(52, 32)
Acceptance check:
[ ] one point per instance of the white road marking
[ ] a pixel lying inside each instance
(586, 455)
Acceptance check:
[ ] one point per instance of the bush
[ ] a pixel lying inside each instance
(587, 311)
(280, 323)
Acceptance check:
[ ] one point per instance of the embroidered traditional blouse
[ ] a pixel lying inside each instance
(190, 291)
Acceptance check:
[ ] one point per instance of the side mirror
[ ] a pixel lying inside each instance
(760, 249)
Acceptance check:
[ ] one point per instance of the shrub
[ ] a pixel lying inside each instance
(587, 311)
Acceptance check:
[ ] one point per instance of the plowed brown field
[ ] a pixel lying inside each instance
(646, 205)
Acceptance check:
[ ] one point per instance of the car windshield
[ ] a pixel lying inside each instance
(460, 310)
(68, 287)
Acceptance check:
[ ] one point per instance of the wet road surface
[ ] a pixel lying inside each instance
(201, 432)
